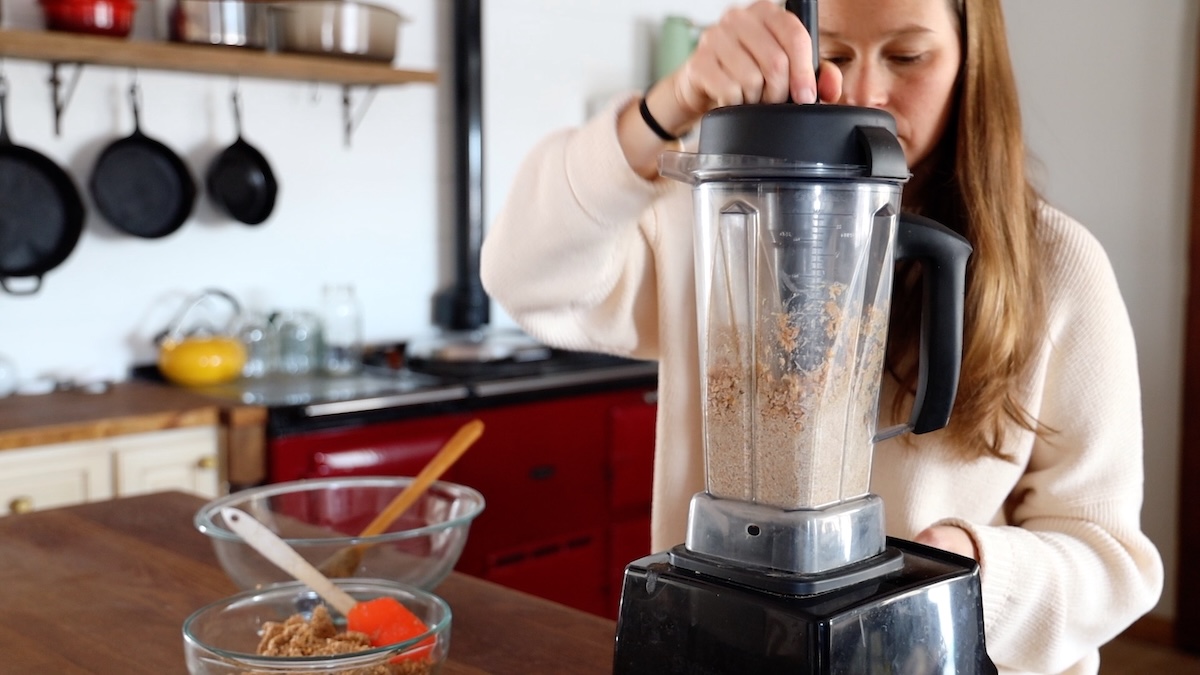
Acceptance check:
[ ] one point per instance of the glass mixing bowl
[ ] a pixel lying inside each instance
(222, 638)
(319, 517)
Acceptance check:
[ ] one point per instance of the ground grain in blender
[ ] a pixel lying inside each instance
(813, 424)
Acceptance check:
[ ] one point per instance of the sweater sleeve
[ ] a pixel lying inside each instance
(1072, 567)
(569, 256)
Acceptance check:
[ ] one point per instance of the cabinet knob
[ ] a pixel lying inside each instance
(20, 505)
(207, 462)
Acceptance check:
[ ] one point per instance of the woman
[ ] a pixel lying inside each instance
(1039, 474)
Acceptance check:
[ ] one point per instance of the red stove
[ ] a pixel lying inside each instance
(566, 458)
(565, 461)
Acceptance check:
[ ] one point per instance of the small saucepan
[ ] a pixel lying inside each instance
(141, 186)
(41, 214)
(239, 180)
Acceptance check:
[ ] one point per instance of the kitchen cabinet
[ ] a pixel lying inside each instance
(179, 459)
(54, 475)
(62, 474)
(566, 481)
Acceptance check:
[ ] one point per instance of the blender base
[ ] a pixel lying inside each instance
(924, 617)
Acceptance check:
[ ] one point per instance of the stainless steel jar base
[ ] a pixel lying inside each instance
(798, 542)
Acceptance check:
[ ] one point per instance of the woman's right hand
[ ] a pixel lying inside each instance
(759, 53)
(755, 54)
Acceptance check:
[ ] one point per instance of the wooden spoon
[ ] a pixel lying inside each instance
(345, 561)
(384, 619)
(266, 542)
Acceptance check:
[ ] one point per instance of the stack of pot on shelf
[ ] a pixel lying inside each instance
(97, 17)
(345, 28)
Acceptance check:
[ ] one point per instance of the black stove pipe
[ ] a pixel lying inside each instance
(465, 306)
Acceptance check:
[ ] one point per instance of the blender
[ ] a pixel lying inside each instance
(786, 567)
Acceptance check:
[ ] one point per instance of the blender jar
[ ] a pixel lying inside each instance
(793, 312)
(798, 225)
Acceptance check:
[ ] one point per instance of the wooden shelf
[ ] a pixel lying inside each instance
(55, 47)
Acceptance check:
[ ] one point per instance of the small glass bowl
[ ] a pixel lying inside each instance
(222, 638)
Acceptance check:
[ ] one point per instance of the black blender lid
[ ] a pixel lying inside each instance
(814, 134)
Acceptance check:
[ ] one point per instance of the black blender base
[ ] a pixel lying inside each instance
(926, 617)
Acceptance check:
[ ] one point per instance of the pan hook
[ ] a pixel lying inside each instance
(350, 119)
(135, 99)
(58, 97)
(4, 139)
(236, 99)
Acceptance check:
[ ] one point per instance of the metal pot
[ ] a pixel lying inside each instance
(337, 28)
(235, 23)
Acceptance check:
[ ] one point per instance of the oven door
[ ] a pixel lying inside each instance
(389, 448)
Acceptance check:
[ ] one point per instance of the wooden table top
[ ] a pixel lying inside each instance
(105, 588)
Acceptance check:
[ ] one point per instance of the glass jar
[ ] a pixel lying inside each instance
(299, 343)
(341, 319)
(261, 339)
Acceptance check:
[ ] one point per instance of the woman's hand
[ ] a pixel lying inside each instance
(755, 54)
(949, 538)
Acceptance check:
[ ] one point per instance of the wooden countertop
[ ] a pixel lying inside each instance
(105, 588)
(126, 408)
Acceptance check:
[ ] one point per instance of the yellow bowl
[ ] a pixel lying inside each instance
(199, 361)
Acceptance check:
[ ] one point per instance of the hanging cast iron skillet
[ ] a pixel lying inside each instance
(141, 186)
(240, 181)
(41, 214)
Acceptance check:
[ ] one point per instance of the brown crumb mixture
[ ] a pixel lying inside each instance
(298, 636)
(319, 637)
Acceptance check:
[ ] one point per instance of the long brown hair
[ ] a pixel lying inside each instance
(977, 185)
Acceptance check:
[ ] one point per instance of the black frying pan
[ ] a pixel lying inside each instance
(41, 214)
(141, 186)
(240, 181)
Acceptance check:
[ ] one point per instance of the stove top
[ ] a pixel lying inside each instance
(290, 390)
(389, 381)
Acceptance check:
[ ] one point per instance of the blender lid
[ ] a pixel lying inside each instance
(815, 139)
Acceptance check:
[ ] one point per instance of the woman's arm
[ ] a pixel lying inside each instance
(1073, 568)
(570, 256)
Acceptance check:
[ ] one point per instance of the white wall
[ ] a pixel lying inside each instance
(366, 213)
(1107, 94)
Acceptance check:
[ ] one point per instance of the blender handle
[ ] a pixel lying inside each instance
(943, 255)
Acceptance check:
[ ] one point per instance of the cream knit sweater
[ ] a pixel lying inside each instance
(587, 255)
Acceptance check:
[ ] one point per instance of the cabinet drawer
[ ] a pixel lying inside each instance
(391, 449)
(568, 570)
(51, 476)
(541, 468)
(179, 459)
(632, 457)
